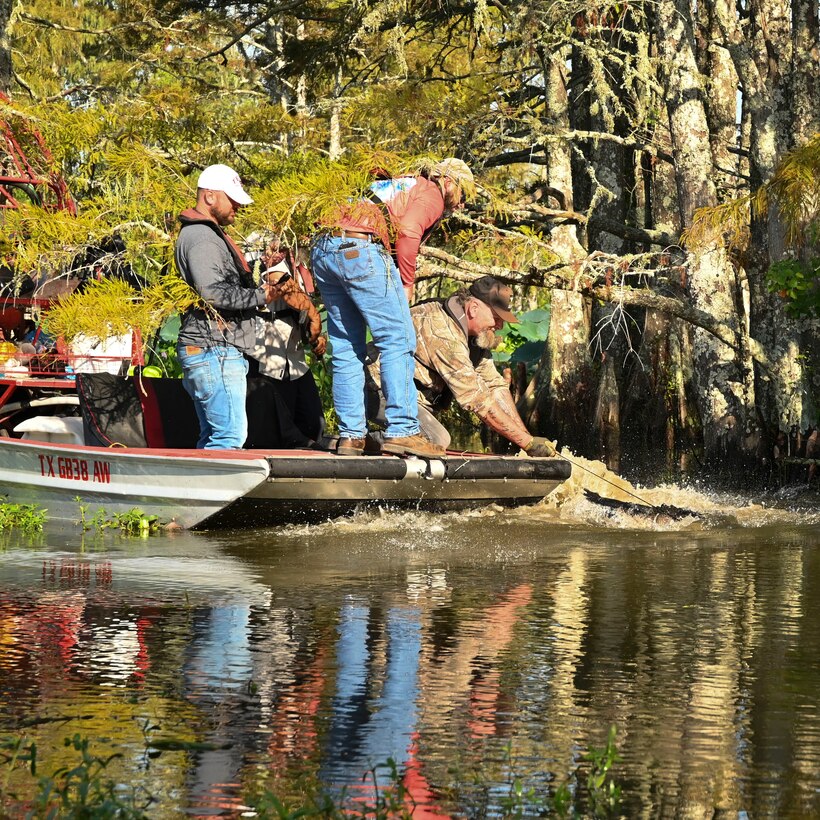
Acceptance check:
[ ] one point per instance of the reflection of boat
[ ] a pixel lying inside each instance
(256, 487)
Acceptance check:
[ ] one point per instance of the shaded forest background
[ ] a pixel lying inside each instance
(650, 170)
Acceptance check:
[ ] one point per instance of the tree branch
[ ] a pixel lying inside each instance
(462, 271)
(510, 157)
(677, 307)
(540, 214)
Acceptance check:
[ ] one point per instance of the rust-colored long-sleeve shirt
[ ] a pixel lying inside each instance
(414, 204)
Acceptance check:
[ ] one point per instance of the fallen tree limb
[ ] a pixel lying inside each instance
(462, 271)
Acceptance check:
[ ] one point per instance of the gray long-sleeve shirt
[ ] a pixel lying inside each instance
(205, 262)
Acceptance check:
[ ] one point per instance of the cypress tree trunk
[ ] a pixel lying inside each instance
(806, 58)
(6, 73)
(607, 419)
(724, 384)
(659, 410)
(721, 101)
(558, 171)
(334, 150)
(568, 386)
(780, 96)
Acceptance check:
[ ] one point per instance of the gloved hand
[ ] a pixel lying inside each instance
(297, 299)
(541, 447)
(319, 346)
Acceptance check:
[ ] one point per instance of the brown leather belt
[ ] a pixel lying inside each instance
(353, 235)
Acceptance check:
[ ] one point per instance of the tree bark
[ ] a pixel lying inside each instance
(775, 94)
(721, 101)
(658, 407)
(724, 381)
(806, 58)
(563, 238)
(6, 72)
(335, 138)
(568, 385)
(607, 418)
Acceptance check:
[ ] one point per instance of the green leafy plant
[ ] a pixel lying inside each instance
(83, 790)
(15, 751)
(798, 283)
(83, 509)
(389, 799)
(161, 351)
(133, 522)
(524, 342)
(603, 792)
(25, 517)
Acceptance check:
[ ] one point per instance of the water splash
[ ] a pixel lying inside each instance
(708, 509)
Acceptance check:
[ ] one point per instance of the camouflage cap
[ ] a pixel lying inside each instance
(457, 170)
(496, 295)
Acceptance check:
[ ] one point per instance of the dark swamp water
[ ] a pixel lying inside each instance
(473, 649)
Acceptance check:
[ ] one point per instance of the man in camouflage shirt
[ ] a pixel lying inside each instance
(454, 338)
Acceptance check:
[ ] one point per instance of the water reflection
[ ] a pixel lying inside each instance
(470, 650)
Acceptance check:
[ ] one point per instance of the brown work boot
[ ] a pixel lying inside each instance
(350, 447)
(416, 445)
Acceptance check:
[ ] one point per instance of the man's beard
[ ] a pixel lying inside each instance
(487, 340)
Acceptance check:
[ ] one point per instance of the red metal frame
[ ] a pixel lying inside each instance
(38, 170)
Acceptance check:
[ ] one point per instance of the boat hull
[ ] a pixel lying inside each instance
(318, 488)
(170, 484)
(207, 488)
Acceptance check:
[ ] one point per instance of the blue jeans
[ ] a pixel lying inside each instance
(216, 379)
(361, 288)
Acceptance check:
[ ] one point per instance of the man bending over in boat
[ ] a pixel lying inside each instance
(453, 361)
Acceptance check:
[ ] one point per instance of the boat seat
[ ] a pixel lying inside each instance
(61, 429)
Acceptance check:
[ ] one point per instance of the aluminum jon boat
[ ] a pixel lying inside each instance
(251, 488)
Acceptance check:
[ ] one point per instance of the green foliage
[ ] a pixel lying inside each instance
(386, 799)
(604, 794)
(727, 223)
(798, 283)
(26, 517)
(15, 753)
(524, 342)
(108, 305)
(161, 350)
(320, 368)
(795, 188)
(83, 790)
(115, 306)
(133, 522)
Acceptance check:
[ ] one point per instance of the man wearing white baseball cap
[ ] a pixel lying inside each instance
(225, 179)
(212, 340)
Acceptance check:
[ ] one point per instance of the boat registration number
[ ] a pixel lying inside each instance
(80, 469)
